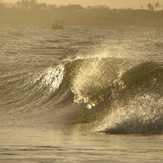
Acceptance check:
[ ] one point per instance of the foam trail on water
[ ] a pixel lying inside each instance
(142, 114)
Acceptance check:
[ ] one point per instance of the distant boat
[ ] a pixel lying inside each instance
(57, 25)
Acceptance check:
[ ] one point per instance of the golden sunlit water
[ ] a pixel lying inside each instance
(81, 94)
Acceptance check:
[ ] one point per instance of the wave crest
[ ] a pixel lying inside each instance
(120, 95)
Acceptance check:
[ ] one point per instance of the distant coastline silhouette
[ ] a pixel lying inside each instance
(32, 12)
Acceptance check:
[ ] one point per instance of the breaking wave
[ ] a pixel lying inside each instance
(114, 95)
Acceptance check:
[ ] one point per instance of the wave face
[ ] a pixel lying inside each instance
(114, 95)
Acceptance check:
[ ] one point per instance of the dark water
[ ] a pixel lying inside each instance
(81, 94)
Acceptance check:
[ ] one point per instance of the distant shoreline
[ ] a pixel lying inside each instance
(82, 16)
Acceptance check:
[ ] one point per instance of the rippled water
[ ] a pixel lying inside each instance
(82, 94)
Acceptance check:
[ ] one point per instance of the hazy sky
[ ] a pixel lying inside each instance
(110, 3)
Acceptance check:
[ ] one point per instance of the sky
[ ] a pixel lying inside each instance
(111, 3)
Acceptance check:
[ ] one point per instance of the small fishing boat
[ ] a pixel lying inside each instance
(57, 25)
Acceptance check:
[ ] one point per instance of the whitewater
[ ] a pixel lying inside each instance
(82, 94)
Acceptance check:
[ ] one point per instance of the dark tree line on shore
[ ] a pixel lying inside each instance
(32, 12)
(34, 5)
(155, 7)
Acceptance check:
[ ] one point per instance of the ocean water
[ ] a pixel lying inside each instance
(82, 94)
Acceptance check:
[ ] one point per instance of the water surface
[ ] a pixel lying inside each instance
(82, 94)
